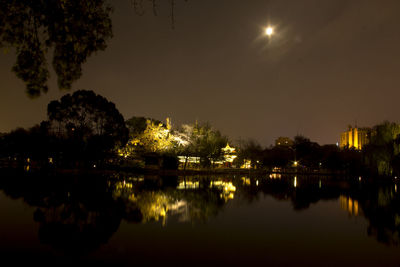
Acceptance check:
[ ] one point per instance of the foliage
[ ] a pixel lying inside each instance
(307, 152)
(88, 119)
(147, 135)
(73, 30)
(137, 125)
(190, 140)
(249, 150)
(278, 156)
(382, 151)
(207, 144)
(156, 137)
(33, 143)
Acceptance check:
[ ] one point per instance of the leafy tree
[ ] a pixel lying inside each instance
(278, 156)
(200, 140)
(251, 150)
(156, 137)
(382, 151)
(208, 144)
(73, 30)
(88, 120)
(147, 135)
(307, 152)
(70, 30)
(137, 125)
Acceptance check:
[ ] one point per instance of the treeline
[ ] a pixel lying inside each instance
(381, 156)
(303, 155)
(84, 129)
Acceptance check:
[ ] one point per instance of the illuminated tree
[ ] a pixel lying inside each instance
(157, 137)
(201, 140)
(383, 149)
(147, 135)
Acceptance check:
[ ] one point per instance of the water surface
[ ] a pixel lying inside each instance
(126, 219)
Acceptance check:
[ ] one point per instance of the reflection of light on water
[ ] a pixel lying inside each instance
(123, 185)
(136, 179)
(275, 176)
(348, 204)
(228, 189)
(395, 188)
(246, 181)
(257, 183)
(276, 169)
(295, 181)
(320, 184)
(188, 185)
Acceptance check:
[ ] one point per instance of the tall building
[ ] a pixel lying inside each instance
(355, 138)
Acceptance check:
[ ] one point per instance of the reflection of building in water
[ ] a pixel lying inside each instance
(246, 181)
(228, 189)
(276, 173)
(355, 138)
(189, 160)
(348, 204)
(188, 185)
(275, 176)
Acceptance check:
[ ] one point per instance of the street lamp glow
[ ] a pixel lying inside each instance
(269, 31)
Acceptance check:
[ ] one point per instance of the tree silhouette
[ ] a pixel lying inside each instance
(89, 120)
(73, 30)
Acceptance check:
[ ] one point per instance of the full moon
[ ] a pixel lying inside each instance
(269, 31)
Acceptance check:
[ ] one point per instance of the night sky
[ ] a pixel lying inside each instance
(329, 64)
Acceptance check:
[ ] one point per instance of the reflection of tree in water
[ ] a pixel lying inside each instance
(76, 214)
(306, 191)
(379, 203)
(381, 206)
(144, 204)
(73, 228)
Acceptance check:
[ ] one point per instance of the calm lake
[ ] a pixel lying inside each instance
(126, 219)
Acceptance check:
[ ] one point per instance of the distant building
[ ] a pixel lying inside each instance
(283, 141)
(229, 155)
(355, 138)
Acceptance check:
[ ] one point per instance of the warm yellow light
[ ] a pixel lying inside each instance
(269, 31)
(295, 163)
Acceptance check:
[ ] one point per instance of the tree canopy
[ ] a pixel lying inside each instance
(73, 30)
(86, 116)
(70, 31)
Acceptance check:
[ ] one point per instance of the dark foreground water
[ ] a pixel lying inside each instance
(122, 219)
